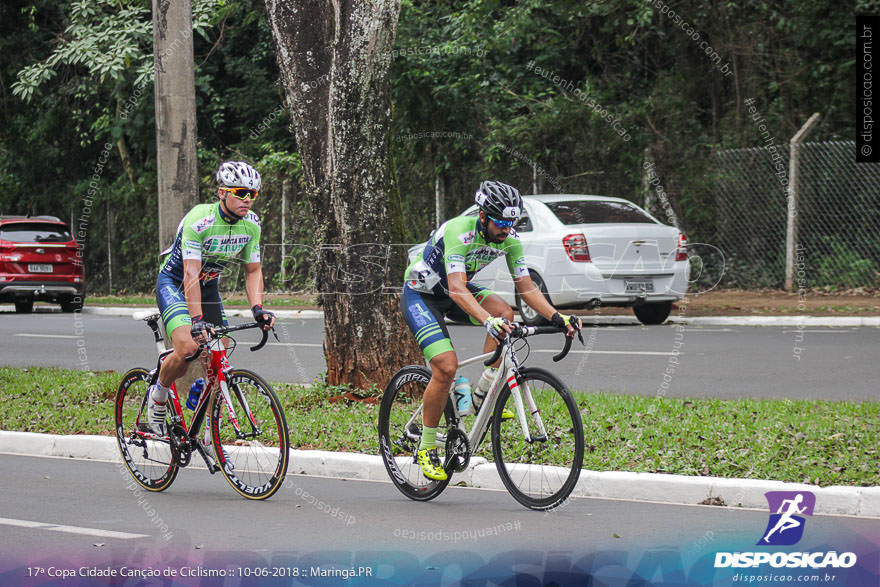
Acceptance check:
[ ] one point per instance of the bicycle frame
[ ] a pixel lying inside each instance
(217, 379)
(507, 371)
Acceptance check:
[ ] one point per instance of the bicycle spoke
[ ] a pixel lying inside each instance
(400, 431)
(540, 473)
(254, 463)
(148, 457)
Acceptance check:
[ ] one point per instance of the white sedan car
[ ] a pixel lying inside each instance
(586, 251)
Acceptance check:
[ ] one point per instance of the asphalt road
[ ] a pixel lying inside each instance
(67, 514)
(717, 362)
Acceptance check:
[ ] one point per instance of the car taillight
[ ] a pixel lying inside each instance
(576, 248)
(681, 254)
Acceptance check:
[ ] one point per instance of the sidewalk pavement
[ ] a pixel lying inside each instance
(797, 321)
(650, 487)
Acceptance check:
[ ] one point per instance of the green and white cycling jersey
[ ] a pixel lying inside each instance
(459, 245)
(206, 234)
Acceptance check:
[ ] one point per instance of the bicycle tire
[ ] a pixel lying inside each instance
(150, 462)
(542, 474)
(400, 400)
(255, 464)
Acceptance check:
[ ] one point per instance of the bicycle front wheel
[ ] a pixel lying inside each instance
(250, 437)
(148, 459)
(541, 473)
(400, 432)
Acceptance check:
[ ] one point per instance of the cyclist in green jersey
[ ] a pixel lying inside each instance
(208, 238)
(438, 285)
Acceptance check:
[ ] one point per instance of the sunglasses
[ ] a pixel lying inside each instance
(242, 193)
(502, 223)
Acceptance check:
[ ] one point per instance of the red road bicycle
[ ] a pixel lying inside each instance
(245, 438)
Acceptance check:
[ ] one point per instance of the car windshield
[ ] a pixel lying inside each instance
(23, 232)
(597, 212)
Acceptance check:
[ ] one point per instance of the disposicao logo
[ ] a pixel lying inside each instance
(785, 528)
(786, 525)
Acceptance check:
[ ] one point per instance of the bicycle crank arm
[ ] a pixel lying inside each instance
(209, 460)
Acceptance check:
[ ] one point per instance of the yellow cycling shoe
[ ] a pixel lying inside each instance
(506, 414)
(430, 464)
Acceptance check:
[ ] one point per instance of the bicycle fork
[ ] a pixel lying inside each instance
(519, 393)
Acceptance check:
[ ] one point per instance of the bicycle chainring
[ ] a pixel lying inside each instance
(181, 449)
(458, 451)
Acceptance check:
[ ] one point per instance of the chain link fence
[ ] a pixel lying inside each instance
(838, 217)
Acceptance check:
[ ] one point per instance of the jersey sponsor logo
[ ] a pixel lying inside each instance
(455, 268)
(456, 258)
(226, 245)
(204, 223)
(252, 216)
(467, 237)
(520, 261)
(520, 271)
(479, 258)
(420, 315)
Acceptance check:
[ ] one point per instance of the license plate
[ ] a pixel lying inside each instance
(40, 267)
(639, 285)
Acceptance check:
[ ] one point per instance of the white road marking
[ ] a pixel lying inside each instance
(820, 331)
(698, 329)
(574, 352)
(71, 529)
(48, 335)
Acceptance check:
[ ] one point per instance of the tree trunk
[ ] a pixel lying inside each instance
(335, 58)
(124, 154)
(175, 96)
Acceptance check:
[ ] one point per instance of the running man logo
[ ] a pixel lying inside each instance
(786, 525)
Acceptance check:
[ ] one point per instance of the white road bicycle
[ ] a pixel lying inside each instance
(538, 453)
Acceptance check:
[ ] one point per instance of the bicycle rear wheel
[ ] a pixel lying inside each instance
(148, 459)
(540, 474)
(252, 452)
(400, 431)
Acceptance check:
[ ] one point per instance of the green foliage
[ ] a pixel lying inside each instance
(481, 88)
(841, 267)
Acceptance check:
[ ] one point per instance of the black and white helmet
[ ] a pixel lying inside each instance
(499, 200)
(238, 174)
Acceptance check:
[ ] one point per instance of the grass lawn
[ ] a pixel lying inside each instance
(816, 442)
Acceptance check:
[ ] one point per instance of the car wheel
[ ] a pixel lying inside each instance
(72, 305)
(655, 313)
(25, 307)
(528, 314)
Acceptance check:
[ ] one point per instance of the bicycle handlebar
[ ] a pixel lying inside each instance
(521, 331)
(223, 330)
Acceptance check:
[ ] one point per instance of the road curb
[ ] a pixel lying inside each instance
(654, 487)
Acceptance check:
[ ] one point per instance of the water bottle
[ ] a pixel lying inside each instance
(194, 393)
(463, 395)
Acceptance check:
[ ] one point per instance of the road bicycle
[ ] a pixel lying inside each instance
(538, 454)
(246, 436)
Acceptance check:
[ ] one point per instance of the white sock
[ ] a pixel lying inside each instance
(160, 392)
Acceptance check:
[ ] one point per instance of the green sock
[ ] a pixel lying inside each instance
(429, 438)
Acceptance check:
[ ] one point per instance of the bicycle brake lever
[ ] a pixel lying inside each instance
(275, 334)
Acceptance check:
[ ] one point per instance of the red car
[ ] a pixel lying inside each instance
(39, 261)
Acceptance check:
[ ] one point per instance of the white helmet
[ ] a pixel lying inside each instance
(238, 174)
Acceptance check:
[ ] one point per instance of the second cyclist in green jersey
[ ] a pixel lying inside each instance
(438, 285)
